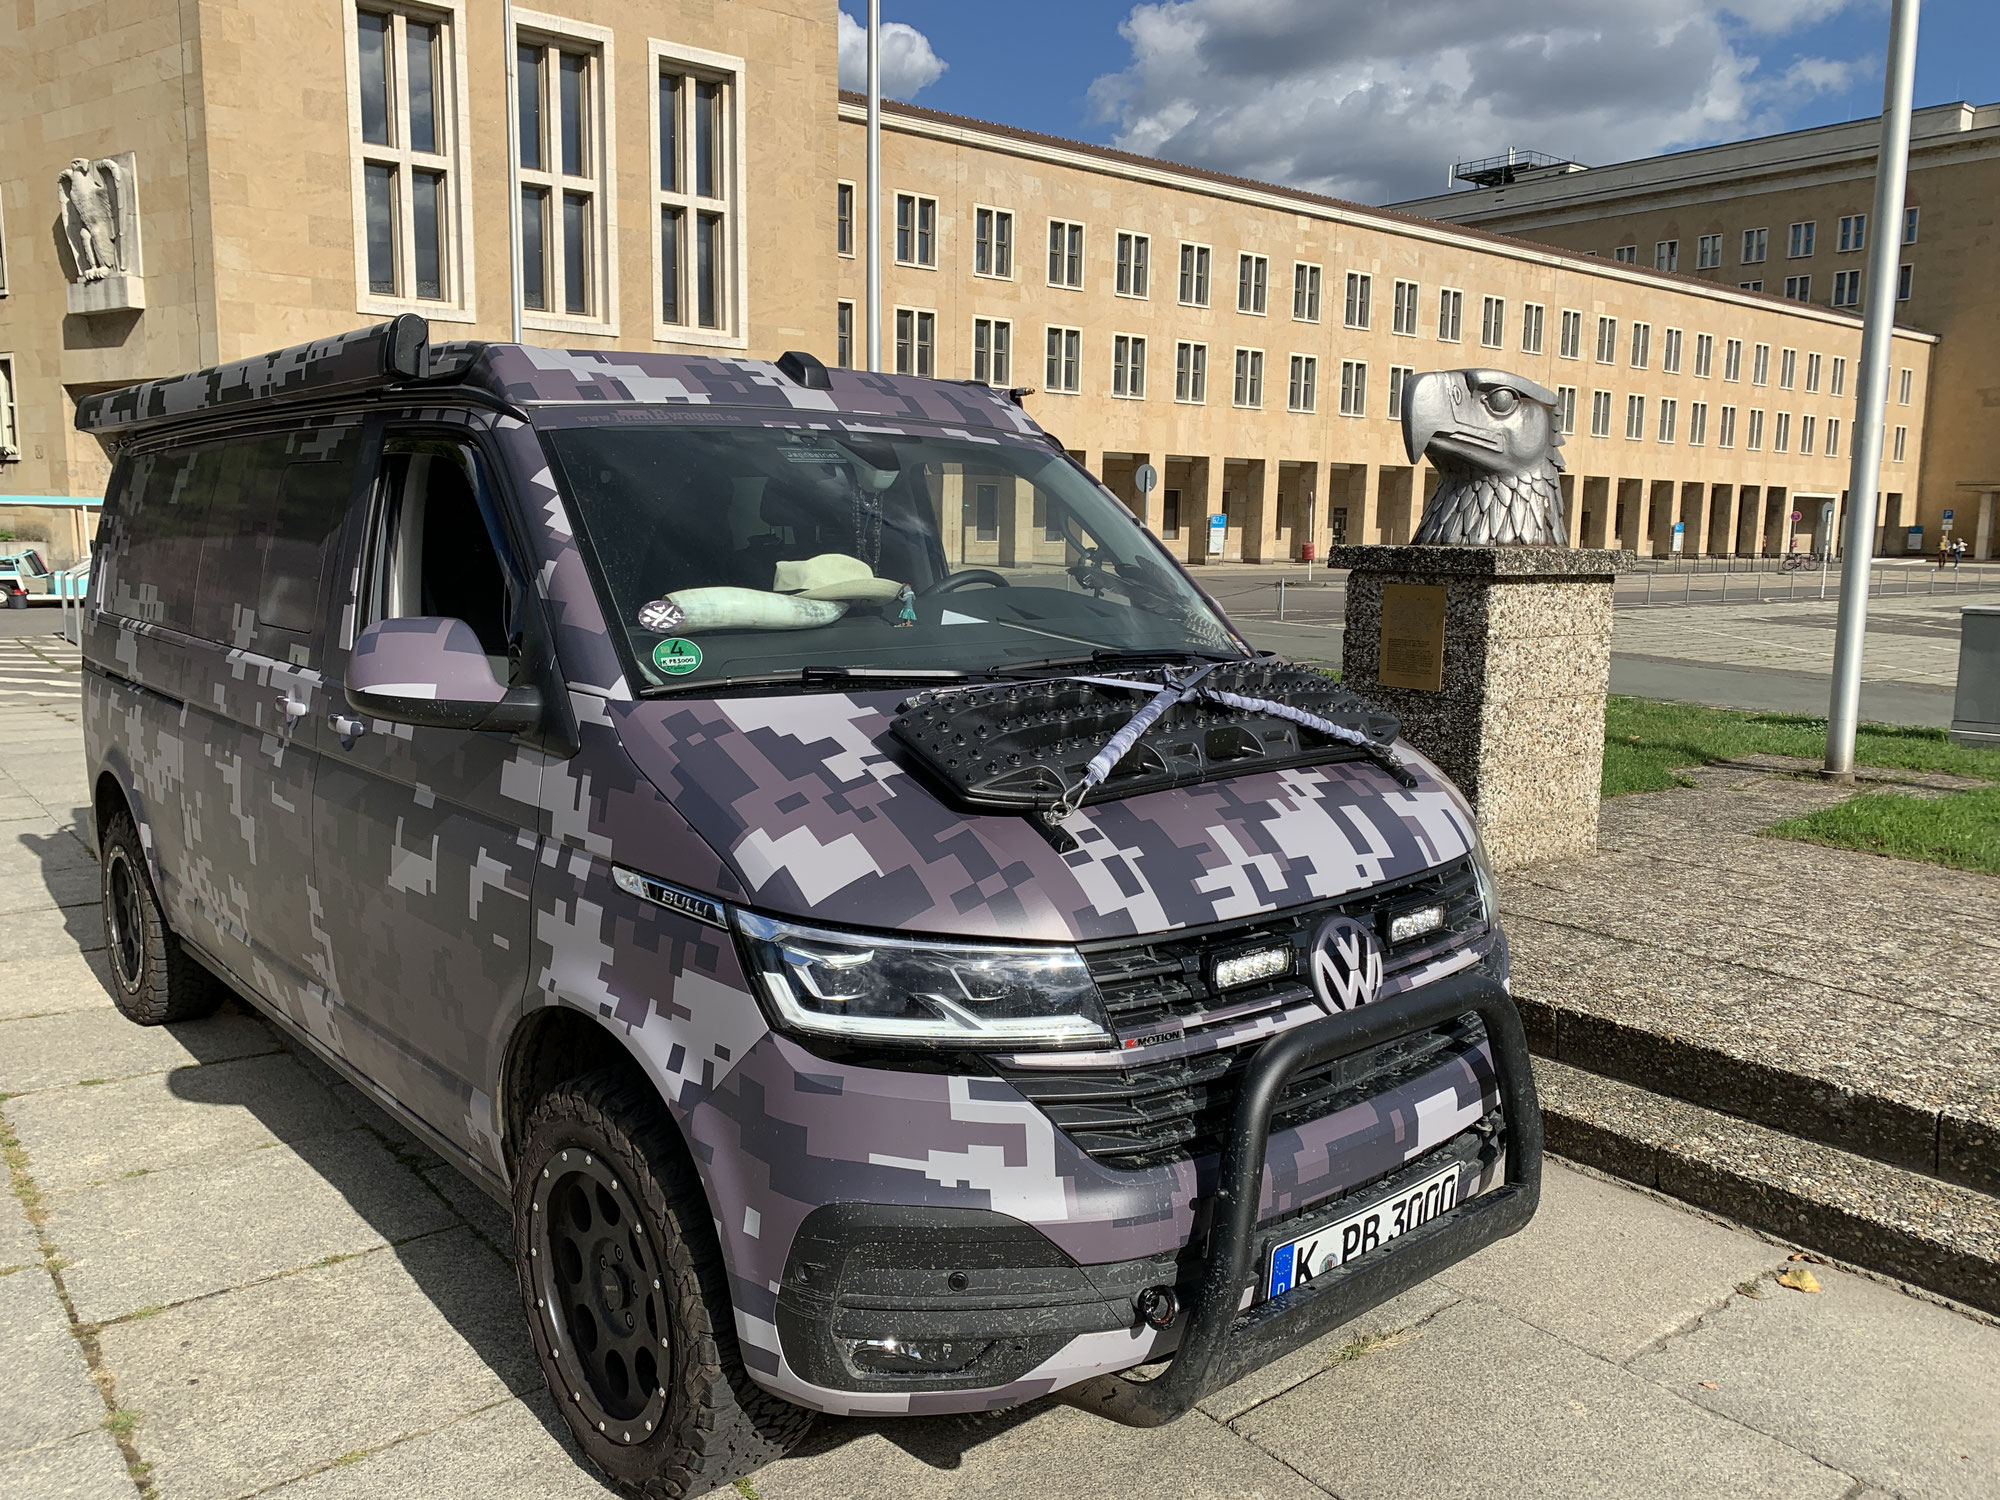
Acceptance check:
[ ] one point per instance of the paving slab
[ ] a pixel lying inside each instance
(86, 1467)
(48, 1051)
(20, 1242)
(507, 1452)
(1610, 1270)
(234, 1220)
(1902, 1394)
(53, 885)
(1477, 1404)
(46, 1393)
(76, 1136)
(50, 930)
(248, 1389)
(60, 982)
(472, 1203)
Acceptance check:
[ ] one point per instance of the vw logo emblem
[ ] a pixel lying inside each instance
(1346, 964)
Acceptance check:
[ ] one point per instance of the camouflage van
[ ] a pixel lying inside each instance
(794, 838)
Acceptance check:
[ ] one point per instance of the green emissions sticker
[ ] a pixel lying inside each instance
(676, 657)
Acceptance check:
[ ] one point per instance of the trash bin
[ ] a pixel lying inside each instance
(1975, 715)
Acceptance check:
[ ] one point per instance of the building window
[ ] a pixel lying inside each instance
(1903, 282)
(1670, 352)
(1788, 369)
(699, 154)
(1607, 341)
(1750, 286)
(1249, 377)
(1405, 318)
(1492, 322)
(1801, 244)
(1128, 366)
(1135, 255)
(1571, 346)
(1303, 393)
(1799, 288)
(1697, 423)
(1846, 288)
(1065, 360)
(10, 432)
(1755, 440)
(916, 230)
(1065, 253)
(407, 177)
(1531, 328)
(1600, 414)
(1909, 226)
(993, 243)
(1669, 416)
(1806, 433)
(1755, 244)
(565, 236)
(1708, 252)
(843, 218)
(1399, 376)
(1838, 386)
(1626, 255)
(1194, 275)
(1642, 344)
(1353, 388)
(1833, 437)
(1812, 372)
(993, 351)
(1191, 373)
(1704, 355)
(1667, 255)
(1635, 418)
(1853, 231)
(1760, 364)
(1903, 385)
(1360, 294)
(1732, 360)
(843, 335)
(1305, 292)
(1781, 433)
(1566, 410)
(1253, 275)
(1725, 433)
(916, 342)
(1451, 307)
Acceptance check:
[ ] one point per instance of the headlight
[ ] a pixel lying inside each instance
(1482, 870)
(890, 989)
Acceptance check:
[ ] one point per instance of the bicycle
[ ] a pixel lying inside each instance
(1797, 562)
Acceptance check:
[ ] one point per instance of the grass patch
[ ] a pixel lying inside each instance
(1369, 1343)
(121, 1423)
(1961, 830)
(1646, 743)
(152, 1310)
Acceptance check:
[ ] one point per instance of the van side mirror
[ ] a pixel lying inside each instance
(432, 671)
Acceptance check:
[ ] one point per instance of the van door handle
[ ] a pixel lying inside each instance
(348, 729)
(294, 707)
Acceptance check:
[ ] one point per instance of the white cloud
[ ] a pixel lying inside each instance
(1372, 101)
(908, 64)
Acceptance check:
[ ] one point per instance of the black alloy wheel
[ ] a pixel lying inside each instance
(124, 919)
(153, 978)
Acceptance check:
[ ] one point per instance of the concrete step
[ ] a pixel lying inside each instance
(1856, 1208)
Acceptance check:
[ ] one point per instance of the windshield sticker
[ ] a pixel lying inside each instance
(676, 657)
(662, 615)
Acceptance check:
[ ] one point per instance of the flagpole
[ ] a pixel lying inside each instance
(874, 184)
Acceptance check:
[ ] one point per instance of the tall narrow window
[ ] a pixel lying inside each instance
(916, 342)
(1756, 242)
(1565, 408)
(1833, 437)
(1802, 239)
(1838, 387)
(1065, 253)
(1249, 377)
(1760, 364)
(1451, 309)
(1697, 423)
(1732, 360)
(1812, 373)
(1360, 293)
(1531, 327)
(408, 159)
(1910, 226)
(1667, 255)
(10, 432)
(1788, 369)
(1405, 319)
(1492, 322)
(1708, 252)
(1253, 276)
(1704, 355)
(1065, 360)
(1128, 366)
(1669, 417)
(1903, 385)
(1399, 376)
(916, 230)
(993, 243)
(1135, 254)
(1781, 433)
(1600, 414)
(1194, 275)
(1905, 281)
(1571, 346)
(1642, 345)
(1725, 432)
(993, 351)
(1853, 232)
(1755, 440)
(699, 156)
(1846, 288)
(1607, 341)
(1305, 292)
(562, 173)
(843, 335)
(1302, 394)
(1191, 373)
(1635, 417)
(1670, 351)
(843, 192)
(1806, 424)
(1353, 388)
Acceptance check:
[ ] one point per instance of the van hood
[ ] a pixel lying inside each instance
(820, 815)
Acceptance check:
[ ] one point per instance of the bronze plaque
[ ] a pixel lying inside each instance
(1412, 636)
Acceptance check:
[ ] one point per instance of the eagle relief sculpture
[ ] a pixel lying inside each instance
(93, 216)
(1493, 439)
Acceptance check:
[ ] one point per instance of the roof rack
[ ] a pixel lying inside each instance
(367, 359)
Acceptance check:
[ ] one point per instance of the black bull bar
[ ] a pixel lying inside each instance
(1222, 1341)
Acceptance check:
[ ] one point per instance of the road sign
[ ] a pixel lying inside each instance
(1947, 515)
(1679, 528)
(1145, 477)
(1798, 515)
(1218, 532)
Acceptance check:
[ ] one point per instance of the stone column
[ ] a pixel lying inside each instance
(1721, 520)
(1201, 499)
(1749, 520)
(1516, 719)
(1694, 509)
(1982, 538)
(1260, 511)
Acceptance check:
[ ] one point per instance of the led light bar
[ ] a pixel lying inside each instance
(1414, 924)
(1248, 968)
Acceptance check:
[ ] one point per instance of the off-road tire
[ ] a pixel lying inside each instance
(718, 1424)
(153, 978)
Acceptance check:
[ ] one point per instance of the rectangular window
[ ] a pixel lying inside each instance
(916, 230)
(1799, 288)
(1305, 292)
(1670, 352)
(843, 192)
(1902, 444)
(1571, 346)
(1135, 254)
(1626, 255)
(1904, 281)
(1846, 288)
(1635, 418)
(1303, 392)
(1600, 414)
(1667, 255)
(1191, 373)
(1833, 437)
(1755, 244)
(1725, 432)
(1781, 433)
(1405, 318)
(1249, 377)
(1353, 388)
(1760, 364)
(563, 168)
(1903, 384)
(576, 254)
(10, 431)
(993, 351)
(1399, 376)
(1802, 240)
(1788, 369)
(843, 335)
(534, 247)
(1065, 253)
(1128, 366)
(1750, 286)
(1755, 440)
(1607, 341)
(1697, 423)
(1708, 252)
(1566, 410)
(1360, 293)
(1194, 275)
(1065, 360)
(1838, 386)
(1492, 322)
(1669, 416)
(993, 243)
(1451, 308)
(1642, 345)
(1704, 355)
(1531, 327)
(1853, 231)
(1909, 226)
(409, 156)
(1732, 360)
(1806, 424)
(1253, 274)
(916, 342)
(1812, 372)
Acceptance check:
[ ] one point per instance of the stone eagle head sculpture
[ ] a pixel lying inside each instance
(1493, 439)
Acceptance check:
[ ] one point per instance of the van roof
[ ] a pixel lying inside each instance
(398, 355)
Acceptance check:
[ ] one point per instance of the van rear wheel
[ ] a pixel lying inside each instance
(623, 1285)
(153, 978)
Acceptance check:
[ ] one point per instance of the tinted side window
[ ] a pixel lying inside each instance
(312, 499)
(153, 534)
(243, 490)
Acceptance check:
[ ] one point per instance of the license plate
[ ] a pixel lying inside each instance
(1297, 1261)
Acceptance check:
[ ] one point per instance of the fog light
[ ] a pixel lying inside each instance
(1414, 924)
(901, 1357)
(1248, 968)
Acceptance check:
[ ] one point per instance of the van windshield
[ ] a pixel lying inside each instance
(757, 552)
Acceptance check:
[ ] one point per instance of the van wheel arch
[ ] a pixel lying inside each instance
(108, 800)
(551, 1046)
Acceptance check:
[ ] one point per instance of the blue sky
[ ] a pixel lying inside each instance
(1361, 99)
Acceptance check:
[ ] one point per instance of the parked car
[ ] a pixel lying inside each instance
(791, 836)
(24, 576)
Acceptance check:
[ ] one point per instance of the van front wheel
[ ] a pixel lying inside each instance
(624, 1289)
(153, 978)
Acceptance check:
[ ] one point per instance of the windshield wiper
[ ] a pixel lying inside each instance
(1109, 655)
(806, 677)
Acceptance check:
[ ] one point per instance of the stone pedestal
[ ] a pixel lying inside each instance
(1517, 641)
(118, 292)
